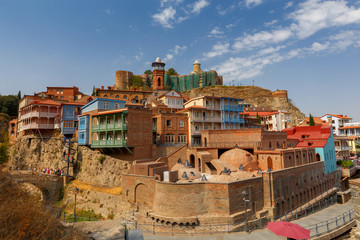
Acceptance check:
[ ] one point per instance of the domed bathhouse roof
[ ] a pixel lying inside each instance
(158, 59)
(240, 159)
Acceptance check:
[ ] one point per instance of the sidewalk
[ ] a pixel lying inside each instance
(328, 213)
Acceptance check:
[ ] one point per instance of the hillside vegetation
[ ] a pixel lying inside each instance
(256, 96)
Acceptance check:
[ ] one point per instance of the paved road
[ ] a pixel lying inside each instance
(328, 213)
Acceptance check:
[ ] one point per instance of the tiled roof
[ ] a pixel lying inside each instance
(110, 111)
(261, 114)
(192, 107)
(338, 116)
(349, 127)
(316, 136)
(46, 102)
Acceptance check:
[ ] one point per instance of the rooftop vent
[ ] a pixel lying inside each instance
(179, 160)
(203, 178)
(187, 164)
(269, 169)
(259, 171)
(185, 176)
(242, 167)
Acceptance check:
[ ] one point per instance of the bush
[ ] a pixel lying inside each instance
(22, 217)
(3, 152)
(101, 159)
(347, 164)
(338, 162)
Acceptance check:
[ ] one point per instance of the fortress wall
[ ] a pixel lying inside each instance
(179, 200)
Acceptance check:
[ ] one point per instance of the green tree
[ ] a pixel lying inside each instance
(19, 95)
(136, 81)
(94, 92)
(311, 120)
(3, 152)
(258, 118)
(148, 72)
(9, 105)
(172, 71)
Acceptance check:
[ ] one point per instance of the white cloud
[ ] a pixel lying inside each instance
(139, 56)
(315, 15)
(165, 2)
(108, 12)
(216, 32)
(289, 4)
(267, 24)
(317, 47)
(166, 17)
(261, 39)
(217, 50)
(199, 5)
(252, 3)
(175, 51)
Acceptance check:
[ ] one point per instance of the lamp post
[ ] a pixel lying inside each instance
(76, 191)
(244, 193)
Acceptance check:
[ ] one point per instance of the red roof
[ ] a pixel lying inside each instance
(193, 107)
(46, 102)
(338, 116)
(309, 136)
(261, 114)
(349, 127)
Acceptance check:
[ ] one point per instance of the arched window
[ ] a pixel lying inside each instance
(159, 82)
(124, 97)
(117, 96)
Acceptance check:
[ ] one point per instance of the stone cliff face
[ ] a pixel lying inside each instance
(90, 166)
(256, 96)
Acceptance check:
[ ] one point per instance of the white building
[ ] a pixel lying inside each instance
(337, 121)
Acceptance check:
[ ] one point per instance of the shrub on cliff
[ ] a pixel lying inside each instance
(3, 152)
(22, 217)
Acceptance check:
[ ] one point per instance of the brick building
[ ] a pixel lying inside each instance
(13, 131)
(207, 185)
(171, 129)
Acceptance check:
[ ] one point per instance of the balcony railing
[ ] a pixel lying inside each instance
(205, 119)
(233, 119)
(232, 108)
(109, 127)
(109, 143)
(37, 126)
(39, 114)
(347, 148)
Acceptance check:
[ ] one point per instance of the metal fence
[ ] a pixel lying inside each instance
(331, 224)
(69, 218)
(248, 226)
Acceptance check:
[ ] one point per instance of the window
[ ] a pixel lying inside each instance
(57, 91)
(182, 138)
(197, 127)
(117, 96)
(61, 91)
(105, 105)
(205, 126)
(169, 138)
(124, 97)
(117, 105)
(68, 124)
(168, 123)
(61, 97)
(196, 114)
(181, 123)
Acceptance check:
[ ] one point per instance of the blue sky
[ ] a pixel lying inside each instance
(311, 48)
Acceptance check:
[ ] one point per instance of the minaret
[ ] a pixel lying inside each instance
(158, 74)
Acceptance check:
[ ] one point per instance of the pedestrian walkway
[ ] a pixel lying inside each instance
(320, 216)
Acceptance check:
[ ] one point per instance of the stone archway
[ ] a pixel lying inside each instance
(140, 193)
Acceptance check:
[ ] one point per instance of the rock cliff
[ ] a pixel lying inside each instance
(90, 166)
(256, 96)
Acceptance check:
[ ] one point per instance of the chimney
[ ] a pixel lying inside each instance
(102, 87)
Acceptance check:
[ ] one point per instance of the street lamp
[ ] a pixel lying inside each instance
(76, 191)
(244, 193)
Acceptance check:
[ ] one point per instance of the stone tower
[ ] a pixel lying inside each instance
(122, 80)
(196, 67)
(158, 74)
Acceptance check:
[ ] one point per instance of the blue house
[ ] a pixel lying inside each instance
(69, 117)
(95, 106)
(231, 113)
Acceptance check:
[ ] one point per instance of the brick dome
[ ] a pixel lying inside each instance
(238, 156)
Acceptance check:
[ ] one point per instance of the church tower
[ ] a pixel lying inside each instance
(196, 67)
(158, 74)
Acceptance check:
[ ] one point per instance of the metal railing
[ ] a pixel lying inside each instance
(248, 225)
(331, 224)
(228, 144)
(69, 218)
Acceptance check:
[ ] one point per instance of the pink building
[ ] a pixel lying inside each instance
(40, 117)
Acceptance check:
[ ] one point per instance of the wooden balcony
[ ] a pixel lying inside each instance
(109, 127)
(109, 143)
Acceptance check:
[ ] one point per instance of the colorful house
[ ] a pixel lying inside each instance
(40, 117)
(319, 137)
(69, 117)
(95, 106)
(230, 112)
